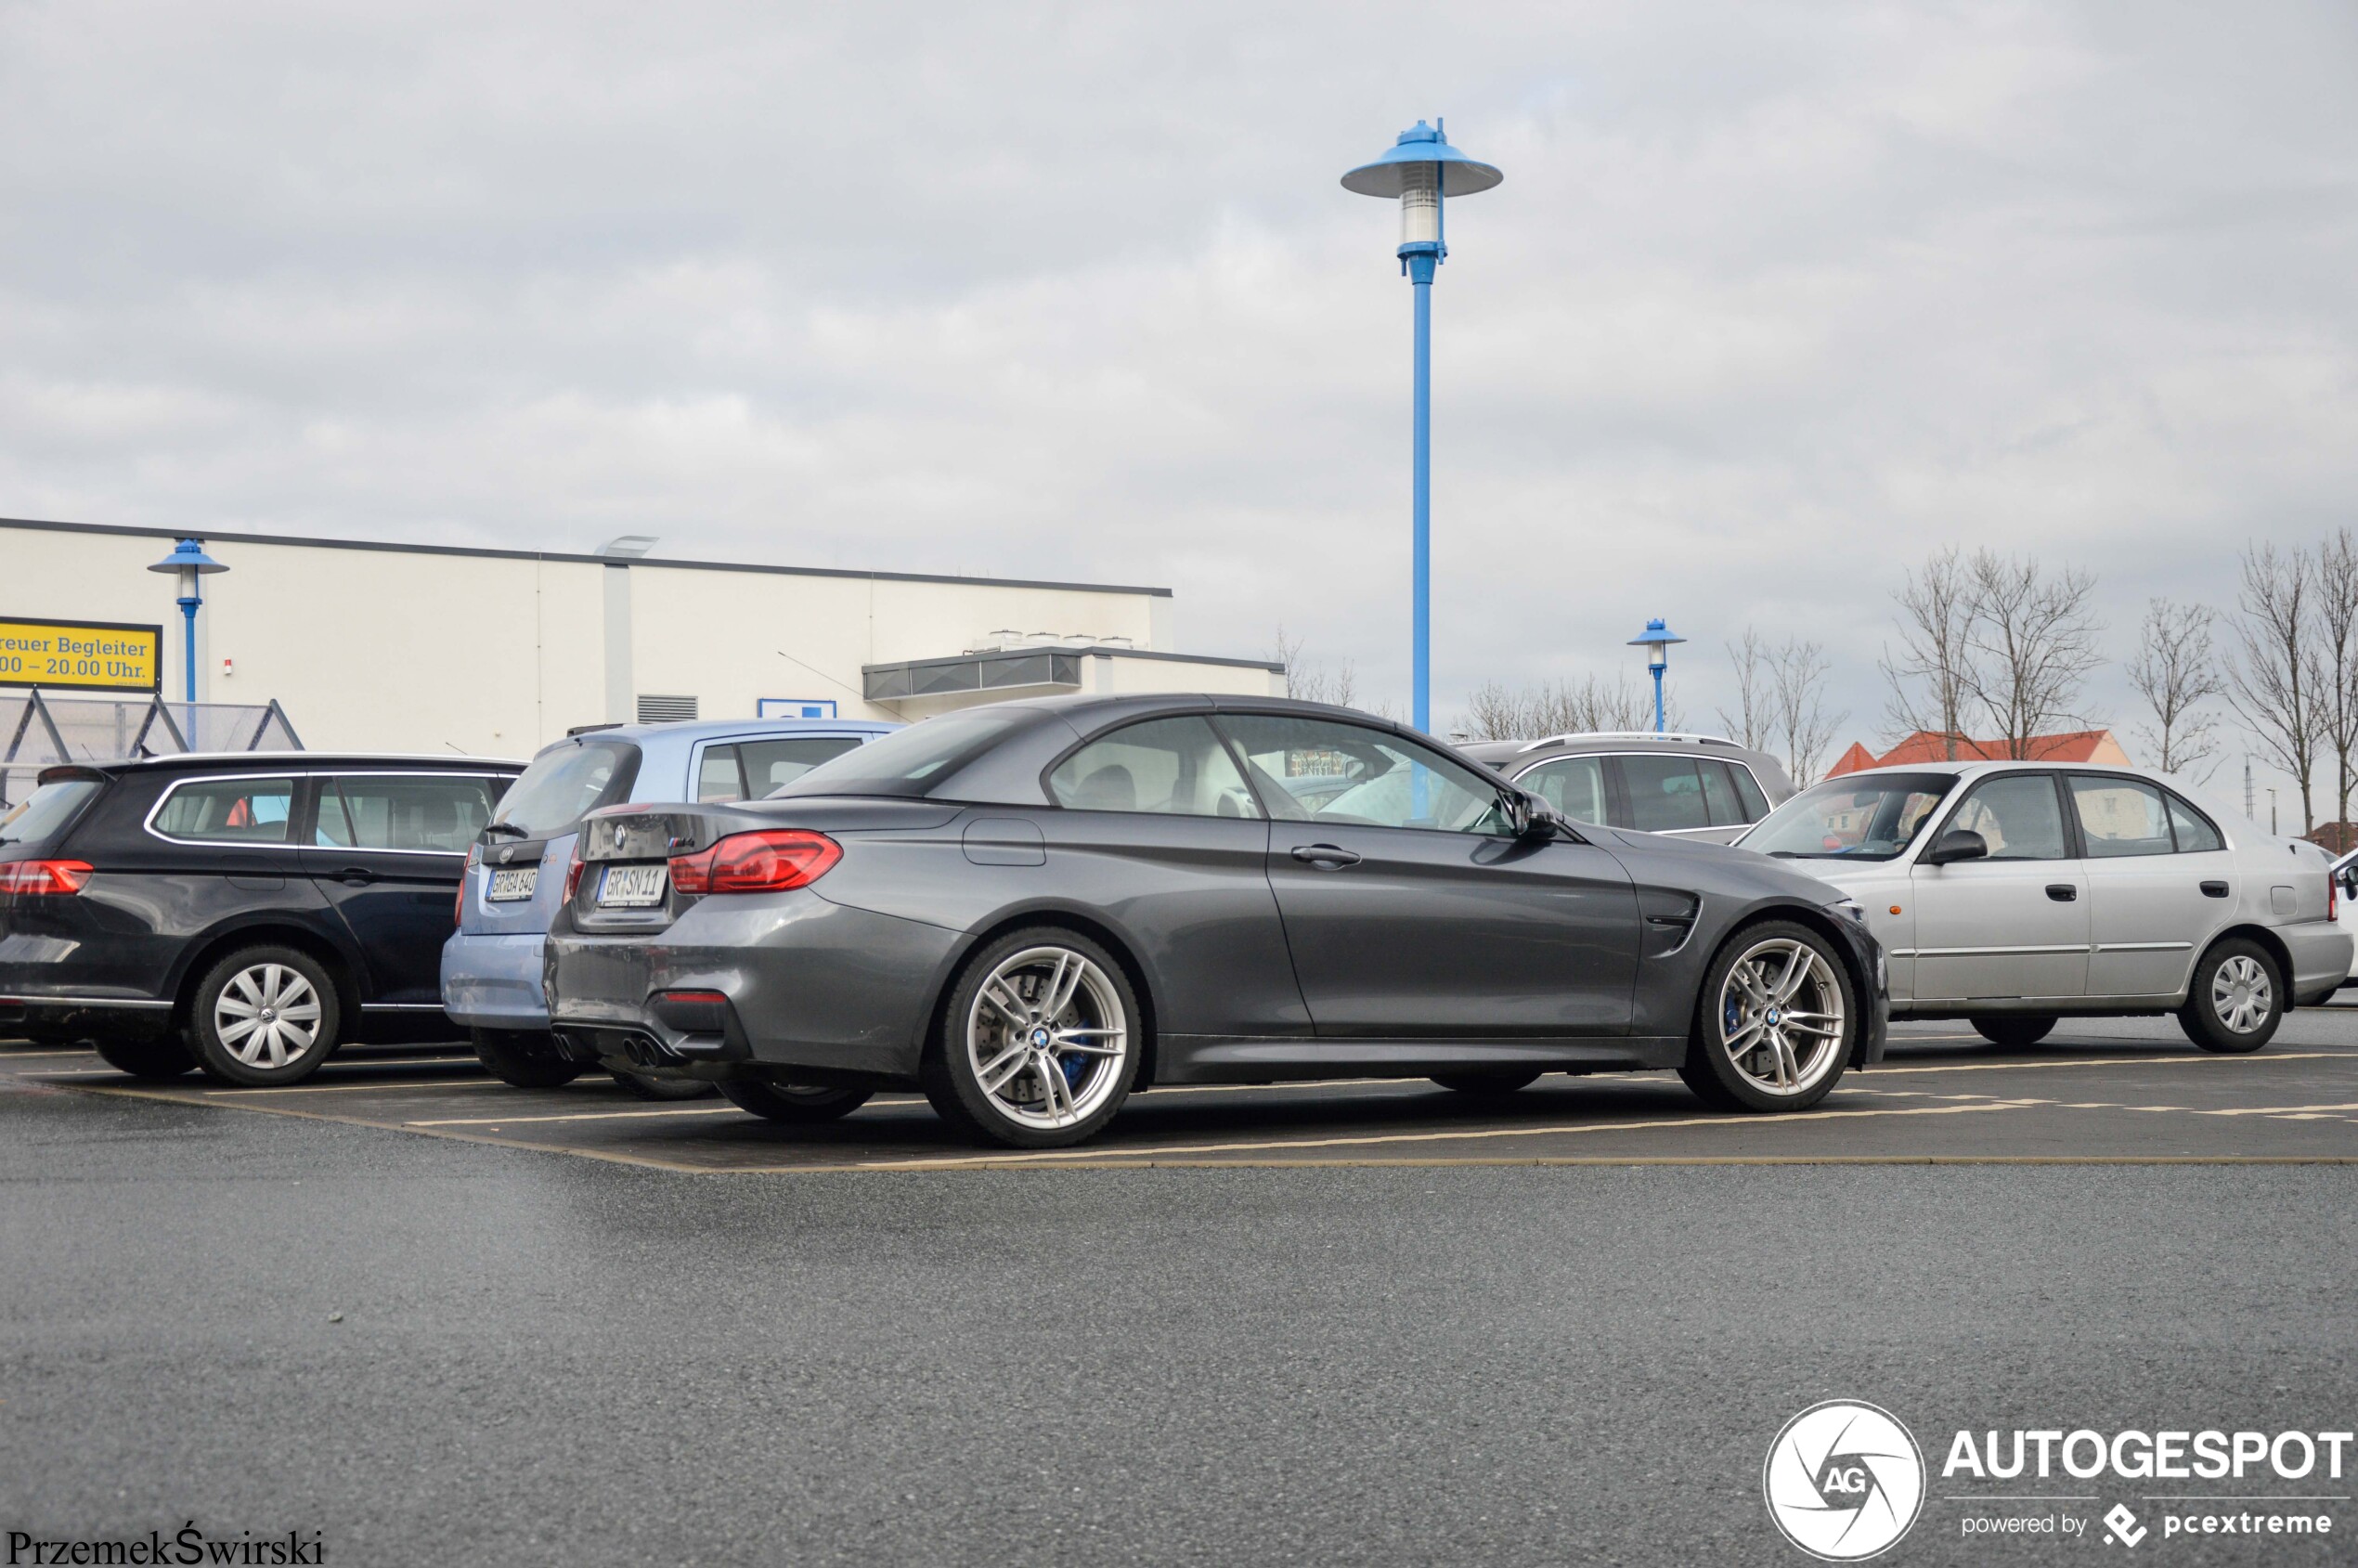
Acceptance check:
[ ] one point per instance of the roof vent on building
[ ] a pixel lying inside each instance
(653, 710)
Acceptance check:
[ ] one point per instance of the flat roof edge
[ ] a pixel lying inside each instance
(1090, 651)
(570, 558)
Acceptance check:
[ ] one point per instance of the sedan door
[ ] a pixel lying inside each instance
(1410, 913)
(388, 850)
(2150, 905)
(2013, 926)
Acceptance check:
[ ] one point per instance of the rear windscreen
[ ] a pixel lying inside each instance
(46, 812)
(564, 786)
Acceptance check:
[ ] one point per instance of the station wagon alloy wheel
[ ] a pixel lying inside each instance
(267, 1015)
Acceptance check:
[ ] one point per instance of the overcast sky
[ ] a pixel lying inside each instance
(1774, 301)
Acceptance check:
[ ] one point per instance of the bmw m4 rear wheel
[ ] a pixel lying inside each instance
(1039, 1042)
(1775, 1024)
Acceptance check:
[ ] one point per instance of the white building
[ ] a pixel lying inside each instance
(391, 647)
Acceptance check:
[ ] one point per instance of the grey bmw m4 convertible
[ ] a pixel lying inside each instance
(1033, 910)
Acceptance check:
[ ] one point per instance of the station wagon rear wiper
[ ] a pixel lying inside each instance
(511, 829)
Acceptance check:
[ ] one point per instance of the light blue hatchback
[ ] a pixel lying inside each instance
(516, 871)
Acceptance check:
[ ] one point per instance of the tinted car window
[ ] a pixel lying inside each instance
(228, 810)
(1665, 793)
(2191, 829)
(1174, 765)
(1873, 817)
(2017, 815)
(1575, 785)
(562, 786)
(717, 775)
(774, 764)
(1748, 791)
(1393, 782)
(2120, 817)
(1720, 793)
(413, 812)
(911, 761)
(46, 811)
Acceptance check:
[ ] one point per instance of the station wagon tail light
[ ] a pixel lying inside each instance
(31, 877)
(772, 862)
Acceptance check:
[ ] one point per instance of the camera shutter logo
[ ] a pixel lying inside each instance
(1844, 1480)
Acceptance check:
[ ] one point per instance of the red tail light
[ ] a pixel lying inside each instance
(30, 877)
(770, 862)
(2333, 894)
(572, 873)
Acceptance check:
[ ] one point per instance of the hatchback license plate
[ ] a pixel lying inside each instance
(506, 887)
(631, 886)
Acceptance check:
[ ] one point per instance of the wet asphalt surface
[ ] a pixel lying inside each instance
(430, 1348)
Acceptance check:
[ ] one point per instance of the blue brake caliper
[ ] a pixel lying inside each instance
(1073, 1067)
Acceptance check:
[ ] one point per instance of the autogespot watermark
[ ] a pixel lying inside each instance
(1844, 1481)
(184, 1548)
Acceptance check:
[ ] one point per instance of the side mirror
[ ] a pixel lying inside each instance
(1957, 844)
(1528, 816)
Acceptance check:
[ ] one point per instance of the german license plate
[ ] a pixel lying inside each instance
(631, 886)
(520, 882)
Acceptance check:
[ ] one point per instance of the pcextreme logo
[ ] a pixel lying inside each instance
(1844, 1480)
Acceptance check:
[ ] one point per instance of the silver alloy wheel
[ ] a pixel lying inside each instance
(267, 1015)
(2240, 993)
(1046, 1037)
(1780, 1016)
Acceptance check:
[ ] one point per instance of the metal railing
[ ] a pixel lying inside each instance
(41, 732)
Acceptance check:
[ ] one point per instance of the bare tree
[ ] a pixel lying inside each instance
(2335, 649)
(1931, 677)
(1798, 676)
(2274, 682)
(2032, 640)
(1559, 707)
(1312, 682)
(1756, 694)
(2176, 671)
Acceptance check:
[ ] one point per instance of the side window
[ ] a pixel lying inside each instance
(2191, 829)
(412, 811)
(1320, 770)
(716, 776)
(1748, 791)
(1720, 793)
(1665, 793)
(1177, 767)
(2120, 817)
(772, 765)
(1575, 785)
(231, 811)
(2018, 815)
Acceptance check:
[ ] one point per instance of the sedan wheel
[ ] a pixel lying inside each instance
(264, 1016)
(1039, 1043)
(1774, 1025)
(2236, 1001)
(794, 1104)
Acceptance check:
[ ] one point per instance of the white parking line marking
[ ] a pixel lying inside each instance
(355, 1088)
(578, 1116)
(2273, 1110)
(1880, 1071)
(1104, 1153)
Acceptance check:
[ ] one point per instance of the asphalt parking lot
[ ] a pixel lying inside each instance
(2108, 1089)
(387, 1308)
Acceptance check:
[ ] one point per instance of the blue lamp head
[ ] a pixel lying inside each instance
(1656, 641)
(188, 556)
(1421, 169)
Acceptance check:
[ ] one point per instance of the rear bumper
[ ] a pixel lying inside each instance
(2321, 959)
(814, 990)
(492, 980)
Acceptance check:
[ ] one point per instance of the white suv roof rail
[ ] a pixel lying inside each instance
(1628, 736)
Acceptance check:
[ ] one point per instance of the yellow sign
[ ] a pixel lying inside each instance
(84, 656)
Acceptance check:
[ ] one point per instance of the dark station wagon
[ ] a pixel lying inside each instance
(244, 914)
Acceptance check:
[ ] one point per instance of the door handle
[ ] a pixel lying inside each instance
(355, 877)
(2214, 889)
(1326, 857)
(2062, 892)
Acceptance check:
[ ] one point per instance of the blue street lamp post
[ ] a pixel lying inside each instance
(1422, 169)
(1656, 641)
(189, 562)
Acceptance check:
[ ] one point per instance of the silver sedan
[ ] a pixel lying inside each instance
(2012, 894)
